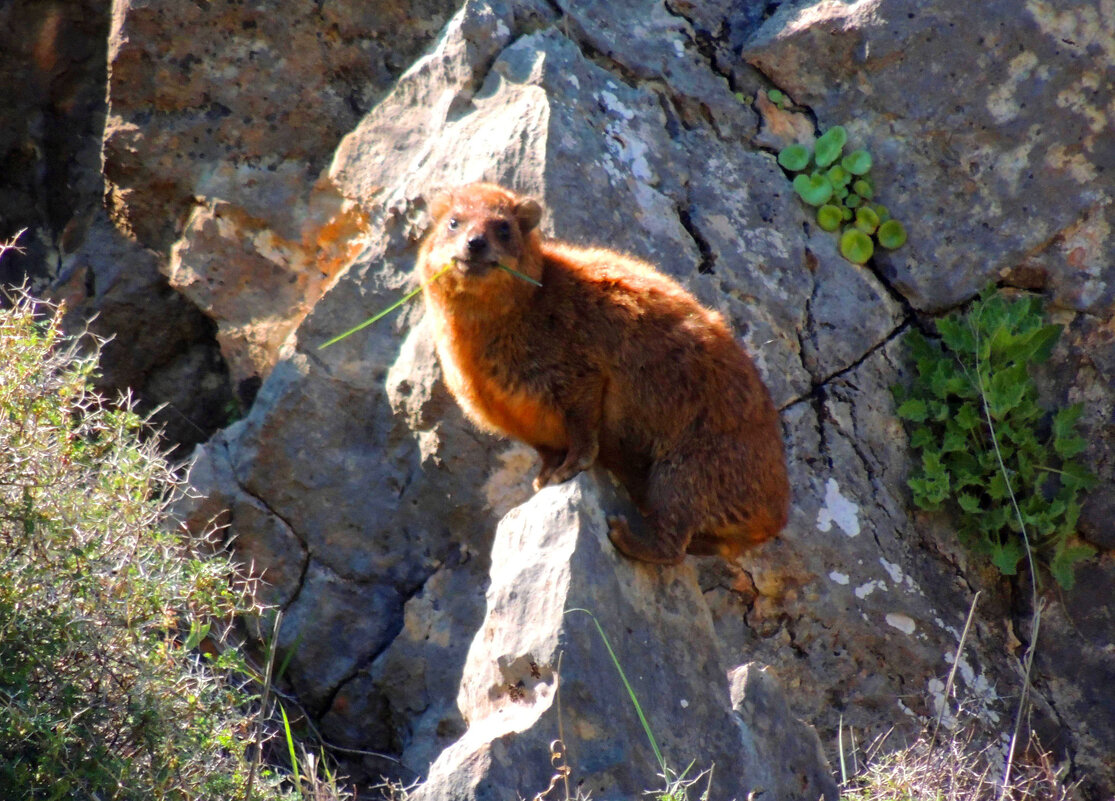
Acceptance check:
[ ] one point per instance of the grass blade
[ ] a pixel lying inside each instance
(377, 317)
(630, 691)
(290, 749)
(518, 274)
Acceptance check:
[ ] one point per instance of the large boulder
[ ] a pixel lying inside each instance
(584, 646)
(267, 178)
(859, 604)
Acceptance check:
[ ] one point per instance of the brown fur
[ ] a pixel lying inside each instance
(608, 360)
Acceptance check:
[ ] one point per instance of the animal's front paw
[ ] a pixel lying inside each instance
(566, 472)
(551, 459)
(573, 464)
(542, 479)
(560, 473)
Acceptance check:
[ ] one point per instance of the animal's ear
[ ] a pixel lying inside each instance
(529, 214)
(439, 206)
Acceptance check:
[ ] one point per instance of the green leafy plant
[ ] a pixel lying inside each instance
(839, 185)
(891, 234)
(829, 146)
(856, 246)
(988, 452)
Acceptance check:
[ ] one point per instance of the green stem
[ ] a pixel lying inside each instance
(386, 311)
(411, 294)
(627, 685)
(515, 272)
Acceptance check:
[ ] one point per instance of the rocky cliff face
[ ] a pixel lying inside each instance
(266, 180)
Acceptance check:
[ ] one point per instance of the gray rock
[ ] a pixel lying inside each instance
(978, 116)
(276, 164)
(538, 670)
(784, 754)
(246, 109)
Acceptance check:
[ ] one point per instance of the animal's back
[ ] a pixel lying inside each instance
(684, 402)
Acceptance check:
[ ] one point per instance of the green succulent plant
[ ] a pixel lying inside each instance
(836, 174)
(829, 217)
(840, 187)
(794, 158)
(867, 220)
(814, 189)
(829, 145)
(856, 246)
(778, 97)
(857, 162)
(891, 234)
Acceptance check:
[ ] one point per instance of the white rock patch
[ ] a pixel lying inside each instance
(903, 623)
(838, 509)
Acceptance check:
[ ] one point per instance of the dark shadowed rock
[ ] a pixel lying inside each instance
(159, 346)
(52, 101)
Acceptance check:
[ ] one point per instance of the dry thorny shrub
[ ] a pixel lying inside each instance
(104, 690)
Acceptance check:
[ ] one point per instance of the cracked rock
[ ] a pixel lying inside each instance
(278, 165)
(534, 658)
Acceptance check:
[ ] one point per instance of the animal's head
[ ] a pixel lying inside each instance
(478, 227)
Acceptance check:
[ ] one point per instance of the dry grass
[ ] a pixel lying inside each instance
(953, 769)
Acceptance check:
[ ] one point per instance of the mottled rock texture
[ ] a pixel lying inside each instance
(550, 561)
(266, 178)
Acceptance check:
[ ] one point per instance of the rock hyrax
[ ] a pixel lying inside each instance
(607, 360)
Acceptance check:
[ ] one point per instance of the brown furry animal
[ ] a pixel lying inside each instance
(607, 360)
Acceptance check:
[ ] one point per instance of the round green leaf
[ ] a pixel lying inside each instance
(882, 211)
(892, 234)
(776, 97)
(853, 201)
(856, 246)
(857, 162)
(829, 217)
(846, 213)
(866, 219)
(864, 189)
(830, 145)
(838, 176)
(814, 189)
(794, 158)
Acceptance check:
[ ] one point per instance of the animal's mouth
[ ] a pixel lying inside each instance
(474, 266)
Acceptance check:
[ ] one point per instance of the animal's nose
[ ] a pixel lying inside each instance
(477, 245)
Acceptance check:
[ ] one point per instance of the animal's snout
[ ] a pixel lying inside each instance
(477, 245)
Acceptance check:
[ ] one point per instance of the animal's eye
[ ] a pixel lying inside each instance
(503, 230)
(453, 223)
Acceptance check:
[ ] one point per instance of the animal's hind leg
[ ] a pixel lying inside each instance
(671, 521)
